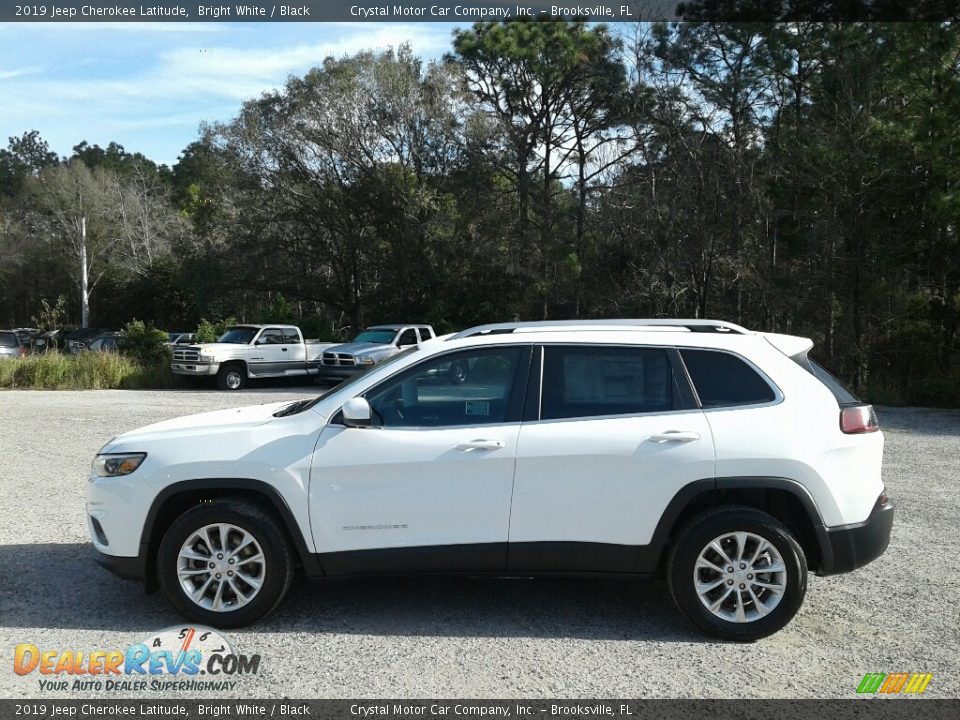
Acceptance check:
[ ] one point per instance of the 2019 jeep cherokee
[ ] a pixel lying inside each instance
(724, 459)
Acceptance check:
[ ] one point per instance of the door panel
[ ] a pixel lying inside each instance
(268, 355)
(429, 486)
(603, 479)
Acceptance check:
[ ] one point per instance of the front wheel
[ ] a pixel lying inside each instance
(737, 573)
(231, 377)
(226, 563)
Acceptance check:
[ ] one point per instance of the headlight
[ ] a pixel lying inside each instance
(206, 358)
(365, 361)
(117, 465)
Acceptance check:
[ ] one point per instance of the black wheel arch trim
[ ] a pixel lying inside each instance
(307, 558)
(712, 489)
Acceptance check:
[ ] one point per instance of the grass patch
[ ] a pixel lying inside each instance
(84, 371)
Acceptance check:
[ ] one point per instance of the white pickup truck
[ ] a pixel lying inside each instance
(250, 351)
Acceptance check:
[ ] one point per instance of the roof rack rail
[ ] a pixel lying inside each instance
(689, 325)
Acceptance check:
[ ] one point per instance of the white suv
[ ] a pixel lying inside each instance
(720, 458)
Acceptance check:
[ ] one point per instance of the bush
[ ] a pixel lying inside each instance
(86, 371)
(145, 344)
(208, 332)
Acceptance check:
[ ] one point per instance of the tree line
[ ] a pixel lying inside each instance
(792, 177)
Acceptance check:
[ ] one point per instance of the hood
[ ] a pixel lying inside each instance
(203, 347)
(230, 420)
(357, 348)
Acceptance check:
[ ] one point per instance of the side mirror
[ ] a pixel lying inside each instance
(356, 413)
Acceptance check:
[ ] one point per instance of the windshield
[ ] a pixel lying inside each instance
(238, 335)
(379, 337)
(8, 339)
(301, 406)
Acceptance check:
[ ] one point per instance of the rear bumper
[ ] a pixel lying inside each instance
(129, 568)
(853, 546)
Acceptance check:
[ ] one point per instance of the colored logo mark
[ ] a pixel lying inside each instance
(894, 683)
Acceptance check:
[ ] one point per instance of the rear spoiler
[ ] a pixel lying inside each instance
(789, 345)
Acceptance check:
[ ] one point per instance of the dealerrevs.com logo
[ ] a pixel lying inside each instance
(178, 658)
(898, 683)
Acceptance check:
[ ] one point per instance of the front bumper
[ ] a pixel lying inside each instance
(129, 568)
(341, 372)
(853, 546)
(202, 369)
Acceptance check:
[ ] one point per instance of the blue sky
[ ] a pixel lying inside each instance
(148, 86)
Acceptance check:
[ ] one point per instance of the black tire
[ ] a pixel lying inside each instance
(232, 376)
(458, 372)
(278, 567)
(697, 535)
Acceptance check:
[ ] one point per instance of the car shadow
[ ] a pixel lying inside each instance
(34, 594)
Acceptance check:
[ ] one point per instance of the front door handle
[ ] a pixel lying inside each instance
(481, 445)
(284, 349)
(675, 436)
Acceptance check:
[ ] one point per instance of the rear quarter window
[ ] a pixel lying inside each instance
(840, 392)
(725, 380)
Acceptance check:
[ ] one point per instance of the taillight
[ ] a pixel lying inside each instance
(23, 351)
(858, 419)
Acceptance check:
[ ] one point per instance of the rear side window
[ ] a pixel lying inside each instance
(843, 396)
(8, 339)
(724, 380)
(596, 381)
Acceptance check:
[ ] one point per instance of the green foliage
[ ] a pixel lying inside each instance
(145, 343)
(798, 178)
(208, 332)
(85, 371)
(278, 311)
(51, 317)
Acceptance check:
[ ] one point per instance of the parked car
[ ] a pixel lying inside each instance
(10, 345)
(373, 345)
(104, 342)
(724, 459)
(76, 340)
(178, 338)
(250, 351)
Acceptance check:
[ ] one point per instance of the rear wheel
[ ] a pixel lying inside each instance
(232, 376)
(226, 563)
(737, 573)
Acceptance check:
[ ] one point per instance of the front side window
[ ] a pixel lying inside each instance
(724, 380)
(597, 381)
(271, 336)
(469, 388)
(408, 337)
(290, 337)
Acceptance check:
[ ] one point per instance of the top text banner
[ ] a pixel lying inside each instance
(335, 11)
(466, 11)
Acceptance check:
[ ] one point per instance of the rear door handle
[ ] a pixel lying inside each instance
(481, 445)
(675, 436)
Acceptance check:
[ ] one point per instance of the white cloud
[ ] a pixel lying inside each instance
(166, 89)
(10, 74)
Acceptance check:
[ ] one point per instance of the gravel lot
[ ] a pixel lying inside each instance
(476, 638)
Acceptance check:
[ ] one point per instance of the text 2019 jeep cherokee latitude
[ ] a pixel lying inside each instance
(724, 459)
